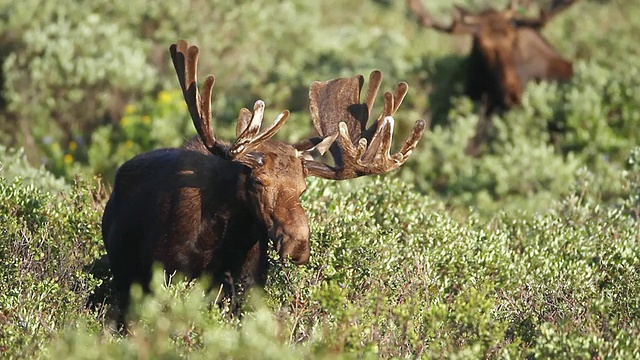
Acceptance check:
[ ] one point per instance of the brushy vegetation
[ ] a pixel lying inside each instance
(391, 274)
(530, 250)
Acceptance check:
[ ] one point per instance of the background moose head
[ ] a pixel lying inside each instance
(212, 207)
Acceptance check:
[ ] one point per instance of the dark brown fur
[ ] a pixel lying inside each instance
(197, 213)
(190, 212)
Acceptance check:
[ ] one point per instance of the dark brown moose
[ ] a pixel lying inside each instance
(507, 50)
(212, 207)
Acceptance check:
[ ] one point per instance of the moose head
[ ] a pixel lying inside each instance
(507, 51)
(213, 207)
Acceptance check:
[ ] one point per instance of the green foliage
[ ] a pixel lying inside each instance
(69, 61)
(530, 250)
(631, 179)
(71, 72)
(526, 165)
(46, 240)
(180, 322)
(14, 165)
(384, 281)
(153, 125)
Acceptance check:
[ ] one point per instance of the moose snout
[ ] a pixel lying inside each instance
(297, 252)
(293, 244)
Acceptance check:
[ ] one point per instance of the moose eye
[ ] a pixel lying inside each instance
(260, 182)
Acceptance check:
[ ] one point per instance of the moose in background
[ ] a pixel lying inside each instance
(212, 207)
(507, 52)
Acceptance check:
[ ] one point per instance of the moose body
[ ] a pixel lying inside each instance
(198, 213)
(186, 210)
(213, 207)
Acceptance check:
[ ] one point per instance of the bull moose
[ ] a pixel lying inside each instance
(213, 207)
(507, 52)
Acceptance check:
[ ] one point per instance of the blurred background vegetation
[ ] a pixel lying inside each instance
(85, 86)
(530, 250)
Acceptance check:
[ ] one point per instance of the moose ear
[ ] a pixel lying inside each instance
(251, 159)
(319, 149)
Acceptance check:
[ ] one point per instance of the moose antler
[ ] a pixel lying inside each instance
(545, 15)
(463, 21)
(335, 108)
(466, 22)
(185, 61)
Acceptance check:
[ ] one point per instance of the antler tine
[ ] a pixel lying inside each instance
(387, 110)
(271, 130)
(179, 61)
(375, 80)
(244, 117)
(185, 62)
(554, 9)
(205, 108)
(249, 138)
(375, 159)
(398, 95)
(412, 141)
(252, 128)
(392, 102)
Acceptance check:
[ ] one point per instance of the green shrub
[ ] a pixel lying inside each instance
(180, 322)
(525, 166)
(77, 115)
(14, 165)
(391, 274)
(409, 281)
(46, 242)
(156, 123)
(68, 66)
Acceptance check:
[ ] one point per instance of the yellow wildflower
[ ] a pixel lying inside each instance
(125, 121)
(164, 97)
(73, 145)
(146, 119)
(128, 144)
(68, 159)
(130, 109)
